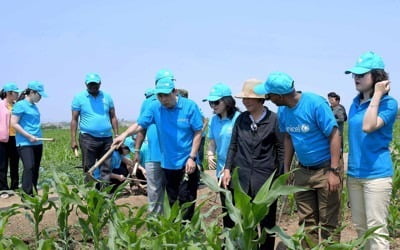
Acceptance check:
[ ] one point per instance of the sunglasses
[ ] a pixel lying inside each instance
(358, 76)
(214, 103)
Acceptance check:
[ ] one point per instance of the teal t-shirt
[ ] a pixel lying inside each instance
(29, 120)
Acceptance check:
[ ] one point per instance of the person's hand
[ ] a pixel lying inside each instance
(211, 161)
(226, 178)
(333, 181)
(118, 140)
(121, 178)
(74, 145)
(382, 87)
(143, 171)
(32, 138)
(190, 166)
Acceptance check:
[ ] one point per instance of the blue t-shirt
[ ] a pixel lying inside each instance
(29, 120)
(309, 123)
(153, 153)
(220, 130)
(94, 118)
(369, 154)
(175, 127)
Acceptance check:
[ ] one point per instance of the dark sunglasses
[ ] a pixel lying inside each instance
(358, 76)
(214, 103)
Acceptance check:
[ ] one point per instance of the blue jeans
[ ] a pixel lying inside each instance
(93, 148)
(155, 186)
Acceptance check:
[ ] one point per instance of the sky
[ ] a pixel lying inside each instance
(201, 42)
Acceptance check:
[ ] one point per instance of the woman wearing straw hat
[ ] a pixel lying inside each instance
(25, 120)
(256, 148)
(8, 150)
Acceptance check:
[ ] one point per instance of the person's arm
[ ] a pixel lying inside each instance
(73, 128)
(280, 148)
(340, 114)
(371, 120)
(226, 178)
(138, 144)
(190, 163)
(114, 121)
(334, 176)
(288, 152)
(133, 129)
(15, 124)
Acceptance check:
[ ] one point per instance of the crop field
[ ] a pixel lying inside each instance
(85, 218)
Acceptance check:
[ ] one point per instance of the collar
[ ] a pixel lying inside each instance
(87, 94)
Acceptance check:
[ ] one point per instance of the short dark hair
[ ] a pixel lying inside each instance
(377, 76)
(334, 95)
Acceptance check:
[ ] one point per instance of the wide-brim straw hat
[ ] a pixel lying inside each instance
(247, 90)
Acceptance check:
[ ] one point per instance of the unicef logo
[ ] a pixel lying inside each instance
(305, 128)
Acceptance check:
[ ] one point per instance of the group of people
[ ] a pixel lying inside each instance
(258, 141)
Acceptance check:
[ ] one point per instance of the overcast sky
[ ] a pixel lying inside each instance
(201, 42)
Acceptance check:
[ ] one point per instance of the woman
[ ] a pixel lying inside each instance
(8, 150)
(25, 120)
(257, 149)
(371, 118)
(220, 130)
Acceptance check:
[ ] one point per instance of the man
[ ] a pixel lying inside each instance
(155, 175)
(310, 131)
(339, 112)
(179, 123)
(97, 122)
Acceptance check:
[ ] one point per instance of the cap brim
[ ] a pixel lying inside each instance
(212, 98)
(163, 91)
(242, 95)
(357, 70)
(43, 94)
(260, 89)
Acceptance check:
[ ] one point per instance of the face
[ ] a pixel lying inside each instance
(363, 82)
(252, 104)
(218, 106)
(93, 88)
(35, 96)
(276, 99)
(13, 96)
(167, 100)
(333, 101)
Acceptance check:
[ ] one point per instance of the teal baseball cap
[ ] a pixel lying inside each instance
(92, 77)
(164, 86)
(164, 73)
(277, 83)
(11, 87)
(37, 86)
(367, 62)
(130, 143)
(218, 91)
(148, 92)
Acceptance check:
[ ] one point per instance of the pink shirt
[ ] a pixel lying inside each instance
(5, 116)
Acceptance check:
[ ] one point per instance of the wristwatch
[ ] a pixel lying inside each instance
(334, 170)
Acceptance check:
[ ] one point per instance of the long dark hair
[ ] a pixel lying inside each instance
(3, 94)
(230, 104)
(377, 76)
(24, 93)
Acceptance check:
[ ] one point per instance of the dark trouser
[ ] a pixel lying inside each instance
(31, 157)
(181, 190)
(269, 221)
(93, 148)
(9, 157)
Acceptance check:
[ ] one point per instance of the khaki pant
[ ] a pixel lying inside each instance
(317, 206)
(370, 199)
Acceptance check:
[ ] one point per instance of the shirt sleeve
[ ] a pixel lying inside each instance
(76, 105)
(325, 118)
(146, 118)
(233, 145)
(210, 124)
(18, 109)
(388, 110)
(196, 119)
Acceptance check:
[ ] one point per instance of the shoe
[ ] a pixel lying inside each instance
(4, 196)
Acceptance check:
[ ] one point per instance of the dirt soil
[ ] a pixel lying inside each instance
(21, 227)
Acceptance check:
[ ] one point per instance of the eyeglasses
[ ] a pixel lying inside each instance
(214, 103)
(359, 76)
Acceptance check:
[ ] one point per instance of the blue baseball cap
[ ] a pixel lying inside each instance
(164, 86)
(367, 62)
(164, 73)
(218, 91)
(11, 87)
(37, 86)
(130, 143)
(148, 92)
(92, 77)
(277, 83)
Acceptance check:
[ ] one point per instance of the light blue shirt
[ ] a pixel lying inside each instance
(220, 130)
(176, 128)
(369, 154)
(153, 152)
(29, 120)
(309, 123)
(94, 118)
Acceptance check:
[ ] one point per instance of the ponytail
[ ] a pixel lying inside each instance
(3, 94)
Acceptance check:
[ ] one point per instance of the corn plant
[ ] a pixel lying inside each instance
(5, 215)
(394, 212)
(37, 205)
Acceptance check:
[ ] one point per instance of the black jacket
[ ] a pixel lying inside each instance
(257, 153)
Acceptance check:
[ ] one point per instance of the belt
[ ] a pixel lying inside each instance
(325, 164)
